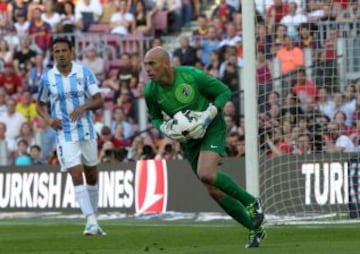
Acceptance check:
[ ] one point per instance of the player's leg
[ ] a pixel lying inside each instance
(214, 141)
(231, 206)
(89, 160)
(69, 155)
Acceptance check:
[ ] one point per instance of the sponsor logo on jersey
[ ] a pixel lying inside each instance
(150, 186)
(184, 93)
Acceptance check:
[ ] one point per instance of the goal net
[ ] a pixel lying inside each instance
(308, 84)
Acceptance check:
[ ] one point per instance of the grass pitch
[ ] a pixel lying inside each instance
(59, 236)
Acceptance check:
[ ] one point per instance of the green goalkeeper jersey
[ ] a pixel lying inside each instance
(192, 89)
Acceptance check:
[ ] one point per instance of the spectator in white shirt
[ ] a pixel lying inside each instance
(89, 11)
(122, 21)
(12, 119)
(293, 20)
(50, 16)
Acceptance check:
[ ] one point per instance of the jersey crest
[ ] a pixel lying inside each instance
(184, 93)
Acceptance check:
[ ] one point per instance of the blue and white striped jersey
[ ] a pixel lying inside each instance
(67, 93)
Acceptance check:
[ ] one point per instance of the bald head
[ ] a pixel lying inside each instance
(158, 53)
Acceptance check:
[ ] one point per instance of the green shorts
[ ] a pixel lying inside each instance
(214, 140)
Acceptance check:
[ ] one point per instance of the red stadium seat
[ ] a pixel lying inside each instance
(99, 28)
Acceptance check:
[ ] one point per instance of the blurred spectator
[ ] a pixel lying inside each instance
(10, 143)
(50, 16)
(10, 81)
(12, 119)
(326, 70)
(230, 75)
(108, 153)
(69, 23)
(232, 38)
(325, 104)
(109, 8)
(292, 20)
(147, 153)
(122, 21)
(304, 88)
(213, 67)
(307, 39)
(275, 13)
(304, 145)
(263, 80)
(339, 105)
(279, 38)
(291, 110)
(21, 24)
(356, 114)
(339, 141)
(107, 136)
(230, 57)
(15, 7)
(263, 41)
(201, 30)
(35, 154)
(6, 54)
(136, 148)
(40, 30)
(290, 56)
(174, 9)
(208, 44)
(169, 153)
(24, 58)
(224, 11)
(120, 119)
(143, 19)
(27, 107)
(27, 133)
(48, 140)
(3, 107)
(186, 52)
(352, 12)
(89, 11)
(119, 134)
(314, 10)
(230, 124)
(22, 157)
(35, 74)
(94, 62)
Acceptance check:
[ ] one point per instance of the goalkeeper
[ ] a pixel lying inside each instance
(199, 98)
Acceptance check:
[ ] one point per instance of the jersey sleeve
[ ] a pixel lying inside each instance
(153, 108)
(43, 94)
(212, 88)
(91, 82)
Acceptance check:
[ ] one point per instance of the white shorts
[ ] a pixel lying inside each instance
(75, 153)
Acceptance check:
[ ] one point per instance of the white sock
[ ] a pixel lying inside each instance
(83, 198)
(94, 196)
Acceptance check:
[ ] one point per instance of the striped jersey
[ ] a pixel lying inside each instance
(67, 93)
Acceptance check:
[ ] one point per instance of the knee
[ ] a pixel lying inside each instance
(77, 178)
(91, 177)
(206, 176)
(214, 192)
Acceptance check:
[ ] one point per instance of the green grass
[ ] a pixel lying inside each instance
(50, 236)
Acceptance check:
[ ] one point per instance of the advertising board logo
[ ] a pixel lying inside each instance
(150, 186)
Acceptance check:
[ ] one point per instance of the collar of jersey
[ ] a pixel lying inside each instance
(73, 69)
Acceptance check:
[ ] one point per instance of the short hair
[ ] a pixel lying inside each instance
(61, 40)
(37, 147)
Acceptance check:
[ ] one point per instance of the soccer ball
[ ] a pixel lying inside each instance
(184, 121)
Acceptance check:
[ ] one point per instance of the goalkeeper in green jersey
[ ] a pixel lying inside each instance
(193, 102)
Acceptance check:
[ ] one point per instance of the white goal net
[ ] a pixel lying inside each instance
(308, 84)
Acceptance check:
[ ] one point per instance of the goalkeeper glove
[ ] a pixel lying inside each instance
(167, 129)
(204, 120)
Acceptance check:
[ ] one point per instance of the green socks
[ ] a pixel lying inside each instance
(227, 185)
(236, 210)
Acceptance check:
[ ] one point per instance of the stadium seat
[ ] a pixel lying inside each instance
(99, 28)
(160, 21)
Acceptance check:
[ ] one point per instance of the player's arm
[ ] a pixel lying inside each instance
(217, 92)
(153, 108)
(96, 102)
(42, 104)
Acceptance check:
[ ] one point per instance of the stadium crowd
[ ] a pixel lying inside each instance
(310, 115)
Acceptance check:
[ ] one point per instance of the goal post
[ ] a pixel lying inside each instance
(249, 85)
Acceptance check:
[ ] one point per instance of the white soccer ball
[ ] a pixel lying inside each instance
(184, 122)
